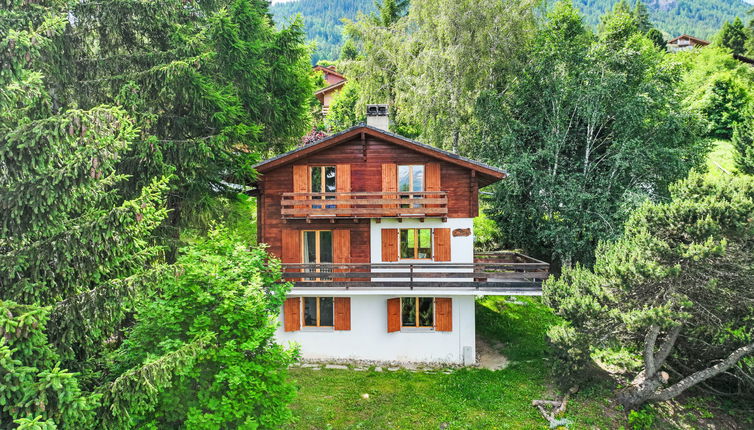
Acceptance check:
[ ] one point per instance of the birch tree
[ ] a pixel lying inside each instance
(592, 125)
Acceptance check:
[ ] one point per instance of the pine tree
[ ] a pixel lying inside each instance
(641, 13)
(73, 252)
(212, 86)
(657, 38)
(743, 142)
(733, 36)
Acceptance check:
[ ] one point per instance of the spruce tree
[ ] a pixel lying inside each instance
(641, 13)
(73, 252)
(733, 36)
(743, 142)
(212, 85)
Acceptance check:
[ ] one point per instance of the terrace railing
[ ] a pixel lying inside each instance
(512, 270)
(425, 204)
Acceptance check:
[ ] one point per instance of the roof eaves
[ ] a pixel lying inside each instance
(388, 133)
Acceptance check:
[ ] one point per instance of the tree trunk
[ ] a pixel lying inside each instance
(639, 393)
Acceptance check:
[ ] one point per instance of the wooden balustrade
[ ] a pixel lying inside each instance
(522, 275)
(423, 204)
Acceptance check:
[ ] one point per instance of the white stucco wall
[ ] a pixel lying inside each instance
(368, 338)
(461, 247)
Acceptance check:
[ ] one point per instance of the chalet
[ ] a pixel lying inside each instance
(685, 42)
(335, 82)
(376, 233)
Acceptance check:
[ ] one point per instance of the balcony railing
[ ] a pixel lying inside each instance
(426, 204)
(507, 273)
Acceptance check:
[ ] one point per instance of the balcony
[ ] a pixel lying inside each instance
(507, 273)
(355, 205)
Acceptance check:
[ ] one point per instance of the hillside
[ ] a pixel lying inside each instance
(701, 18)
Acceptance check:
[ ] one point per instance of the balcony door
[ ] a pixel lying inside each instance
(323, 180)
(410, 178)
(318, 249)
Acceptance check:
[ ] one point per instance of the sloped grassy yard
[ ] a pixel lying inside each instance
(463, 399)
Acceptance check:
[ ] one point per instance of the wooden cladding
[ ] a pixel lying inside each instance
(443, 314)
(300, 181)
(389, 244)
(393, 315)
(292, 314)
(342, 313)
(442, 244)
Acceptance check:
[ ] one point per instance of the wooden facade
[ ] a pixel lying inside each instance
(369, 162)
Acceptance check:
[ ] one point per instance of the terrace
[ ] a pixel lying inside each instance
(492, 273)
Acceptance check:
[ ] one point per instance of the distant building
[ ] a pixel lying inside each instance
(685, 42)
(335, 82)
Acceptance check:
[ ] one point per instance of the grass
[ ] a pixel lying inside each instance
(721, 157)
(464, 399)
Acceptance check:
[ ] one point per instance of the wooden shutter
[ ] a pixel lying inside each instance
(442, 244)
(443, 314)
(389, 182)
(291, 248)
(389, 244)
(300, 182)
(432, 181)
(292, 314)
(341, 248)
(393, 315)
(342, 307)
(343, 183)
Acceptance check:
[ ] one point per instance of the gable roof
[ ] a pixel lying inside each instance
(487, 173)
(328, 70)
(329, 88)
(691, 38)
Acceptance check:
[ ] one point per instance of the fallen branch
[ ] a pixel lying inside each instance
(557, 408)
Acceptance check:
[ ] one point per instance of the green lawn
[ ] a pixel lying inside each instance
(721, 157)
(464, 399)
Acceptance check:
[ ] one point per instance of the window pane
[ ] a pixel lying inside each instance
(310, 311)
(316, 179)
(426, 312)
(404, 175)
(330, 179)
(418, 172)
(408, 311)
(325, 311)
(425, 243)
(310, 247)
(325, 247)
(407, 243)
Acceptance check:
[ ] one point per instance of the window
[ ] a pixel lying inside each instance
(322, 179)
(417, 312)
(416, 243)
(410, 178)
(318, 248)
(318, 311)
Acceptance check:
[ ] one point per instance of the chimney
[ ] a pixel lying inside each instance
(377, 117)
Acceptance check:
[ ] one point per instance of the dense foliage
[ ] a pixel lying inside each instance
(212, 86)
(594, 125)
(743, 143)
(110, 114)
(230, 294)
(700, 18)
(674, 292)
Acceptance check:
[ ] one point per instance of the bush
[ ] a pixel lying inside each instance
(231, 293)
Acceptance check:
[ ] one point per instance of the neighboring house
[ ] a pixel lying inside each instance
(376, 233)
(335, 82)
(685, 42)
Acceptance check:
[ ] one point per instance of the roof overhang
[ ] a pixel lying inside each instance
(328, 70)
(485, 174)
(329, 88)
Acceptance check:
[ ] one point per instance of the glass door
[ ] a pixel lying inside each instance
(318, 250)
